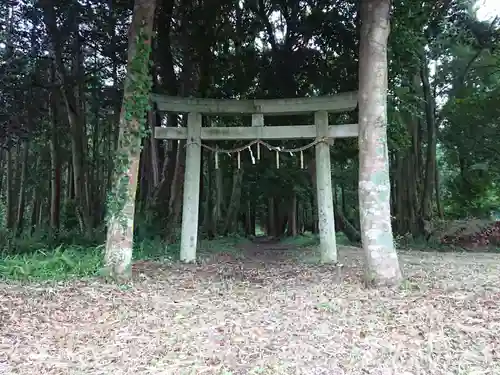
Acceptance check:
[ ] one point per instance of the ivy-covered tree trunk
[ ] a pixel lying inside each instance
(374, 185)
(121, 205)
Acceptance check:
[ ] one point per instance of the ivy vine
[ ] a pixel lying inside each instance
(136, 104)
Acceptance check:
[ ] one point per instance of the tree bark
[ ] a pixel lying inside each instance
(253, 215)
(208, 224)
(153, 149)
(231, 224)
(374, 185)
(311, 167)
(219, 197)
(119, 242)
(2, 160)
(271, 218)
(70, 183)
(437, 186)
(55, 175)
(22, 190)
(430, 163)
(9, 205)
(35, 208)
(292, 216)
(73, 103)
(144, 177)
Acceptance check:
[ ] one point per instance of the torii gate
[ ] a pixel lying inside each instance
(195, 134)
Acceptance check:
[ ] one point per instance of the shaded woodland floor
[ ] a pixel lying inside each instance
(269, 311)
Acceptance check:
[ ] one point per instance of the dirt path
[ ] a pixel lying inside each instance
(265, 249)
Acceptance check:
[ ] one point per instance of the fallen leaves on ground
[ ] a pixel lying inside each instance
(275, 317)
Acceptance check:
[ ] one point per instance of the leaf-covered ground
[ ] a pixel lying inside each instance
(265, 314)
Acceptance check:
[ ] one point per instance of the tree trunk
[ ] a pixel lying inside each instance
(399, 193)
(119, 243)
(437, 185)
(41, 215)
(113, 128)
(96, 173)
(253, 215)
(292, 217)
(430, 164)
(413, 174)
(219, 197)
(176, 191)
(348, 229)
(343, 200)
(233, 209)
(208, 224)
(9, 204)
(311, 167)
(70, 183)
(2, 161)
(55, 175)
(281, 217)
(247, 218)
(35, 208)
(153, 149)
(17, 161)
(374, 186)
(164, 189)
(271, 217)
(22, 190)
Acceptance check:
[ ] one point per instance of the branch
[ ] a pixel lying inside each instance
(261, 12)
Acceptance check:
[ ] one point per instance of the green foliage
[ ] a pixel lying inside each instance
(155, 249)
(35, 261)
(59, 264)
(469, 199)
(311, 240)
(40, 241)
(470, 138)
(305, 240)
(226, 245)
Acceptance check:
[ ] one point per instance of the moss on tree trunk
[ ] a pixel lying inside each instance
(121, 203)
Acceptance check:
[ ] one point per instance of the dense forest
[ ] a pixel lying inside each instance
(64, 74)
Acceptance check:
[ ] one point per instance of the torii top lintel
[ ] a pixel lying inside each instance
(335, 103)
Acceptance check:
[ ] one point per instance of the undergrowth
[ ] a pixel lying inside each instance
(42, 257)
(57, 264)
(309, 239)
(40, 260)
